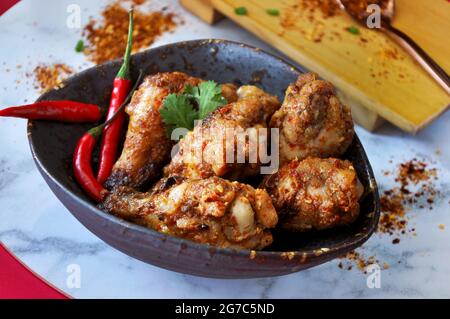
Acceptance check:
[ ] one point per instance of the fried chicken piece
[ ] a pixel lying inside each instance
(229, 92)
(211, 211)
(312, 121)
(315, 193)
(147, 147)
(203, 151)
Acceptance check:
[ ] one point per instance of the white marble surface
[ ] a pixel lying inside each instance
(44, 235)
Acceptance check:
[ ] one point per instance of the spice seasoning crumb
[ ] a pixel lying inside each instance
(358, 259)
(50, 76)
(395, 202)
(302, 10)
(359, 8)
(107, 39)
(389, 53)
(138, 2)
(414, 189)
(328, 8)
(288, 255)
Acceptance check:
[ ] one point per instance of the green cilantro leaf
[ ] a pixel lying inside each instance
(208, 96)
(178, 111)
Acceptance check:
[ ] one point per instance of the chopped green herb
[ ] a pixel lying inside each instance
(178, 112)
(80, 46)
(208, 96)
(178, 109)
(353, 30)
(273, 12)
(241, 11)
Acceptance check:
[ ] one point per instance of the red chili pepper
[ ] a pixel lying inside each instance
(112, 133)
(82, 164)
(83, 153)
(62, 110)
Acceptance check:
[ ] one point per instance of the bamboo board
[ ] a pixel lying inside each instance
(374, 76)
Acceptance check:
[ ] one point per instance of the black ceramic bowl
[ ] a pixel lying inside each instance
(52, 145)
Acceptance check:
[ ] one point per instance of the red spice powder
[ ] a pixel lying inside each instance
(307, 18)
(138, 2)
(328, 8)
(355, 258)
(415, 188)
(395, 202)
(107, 38)
(50, 76)
(358, 8)
(307, 10)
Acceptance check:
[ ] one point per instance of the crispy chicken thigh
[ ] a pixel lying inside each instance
(212, 211)
(147, 147)
(312, 121)
(203, 152)
(315, 193)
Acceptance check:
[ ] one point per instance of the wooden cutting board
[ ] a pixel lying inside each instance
(374, 75)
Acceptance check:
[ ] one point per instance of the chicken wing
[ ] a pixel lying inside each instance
(213, 211)
(147, 147)
(312, 121)
(221, 145)
(315, 193)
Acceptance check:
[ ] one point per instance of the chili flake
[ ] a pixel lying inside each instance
(107, 39)
(50, 76)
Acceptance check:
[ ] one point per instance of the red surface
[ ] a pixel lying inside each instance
(6, 4)
(19, 282)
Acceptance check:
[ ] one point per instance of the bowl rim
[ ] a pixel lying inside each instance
(352, 243)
